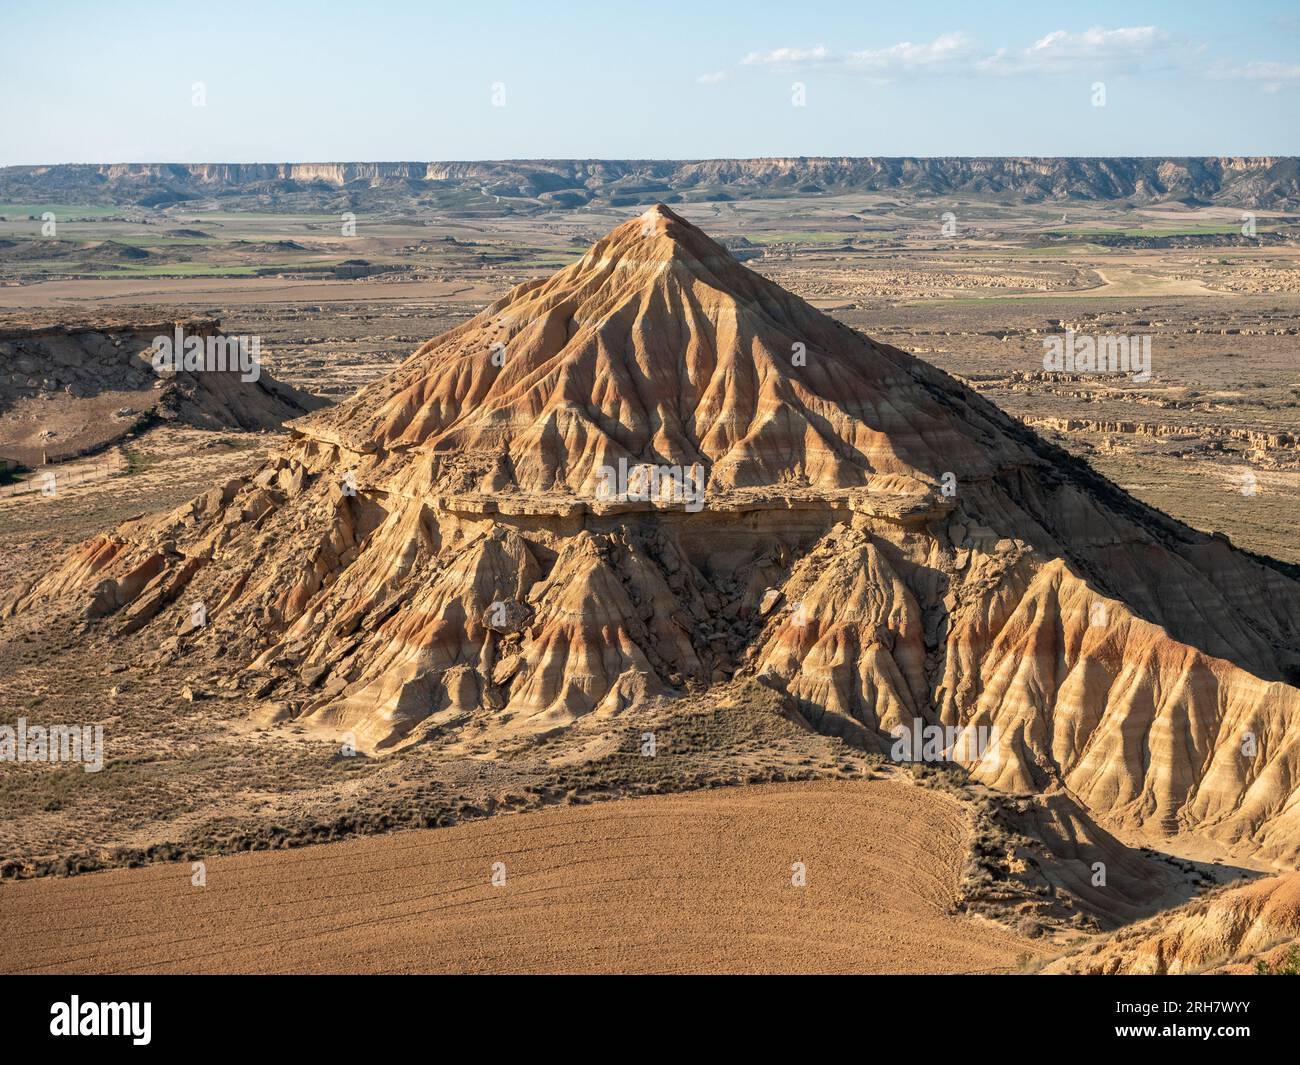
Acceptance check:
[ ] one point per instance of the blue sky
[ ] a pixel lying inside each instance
(94, 82)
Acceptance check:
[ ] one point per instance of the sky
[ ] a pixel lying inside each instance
(497, 79)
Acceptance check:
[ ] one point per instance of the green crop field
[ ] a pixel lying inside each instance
(811, 236)
(1154, 231)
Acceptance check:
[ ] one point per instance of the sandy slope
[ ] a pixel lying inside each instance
(1228, 931)
(698, 882)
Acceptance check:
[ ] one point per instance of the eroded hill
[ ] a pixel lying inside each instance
(68, 390)
(443, 556)
(1252, 928)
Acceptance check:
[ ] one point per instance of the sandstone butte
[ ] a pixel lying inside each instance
(436, 556)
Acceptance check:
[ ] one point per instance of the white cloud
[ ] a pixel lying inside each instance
(1060, 51)
(943, 51)
(789, 57)
(1270, 74)
(712, 78)
(1094, 49)
(946, 52)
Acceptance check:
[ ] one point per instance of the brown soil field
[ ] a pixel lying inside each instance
(687, 883)
(189, 292)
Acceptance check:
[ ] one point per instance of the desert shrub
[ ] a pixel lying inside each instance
(1288, 966)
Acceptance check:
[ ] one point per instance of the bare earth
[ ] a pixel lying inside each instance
(689, 883)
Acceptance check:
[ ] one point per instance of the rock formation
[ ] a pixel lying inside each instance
(506, 534)
(1233, 930)
(71, 390)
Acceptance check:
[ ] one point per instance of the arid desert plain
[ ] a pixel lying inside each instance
(390, 680)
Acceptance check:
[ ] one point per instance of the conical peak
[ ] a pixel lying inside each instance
(656, 348)
(658, 235)
(660, 220)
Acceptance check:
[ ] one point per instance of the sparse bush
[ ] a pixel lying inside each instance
(1288, 966)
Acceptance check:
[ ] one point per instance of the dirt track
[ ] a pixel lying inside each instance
(689, 883)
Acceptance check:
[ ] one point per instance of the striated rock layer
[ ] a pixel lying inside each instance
(456, 551)
(1232, 931)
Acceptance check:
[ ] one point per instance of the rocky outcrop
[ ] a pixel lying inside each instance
(71, 390)
(1253, 439)
(1245, 929)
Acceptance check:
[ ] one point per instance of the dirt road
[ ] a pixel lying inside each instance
(690, 883)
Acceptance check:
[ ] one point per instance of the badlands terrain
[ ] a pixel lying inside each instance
(428, 573)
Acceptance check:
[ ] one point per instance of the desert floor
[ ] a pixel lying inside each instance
(688, 883)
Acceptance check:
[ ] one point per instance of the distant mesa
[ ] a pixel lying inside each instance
(568, 184)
